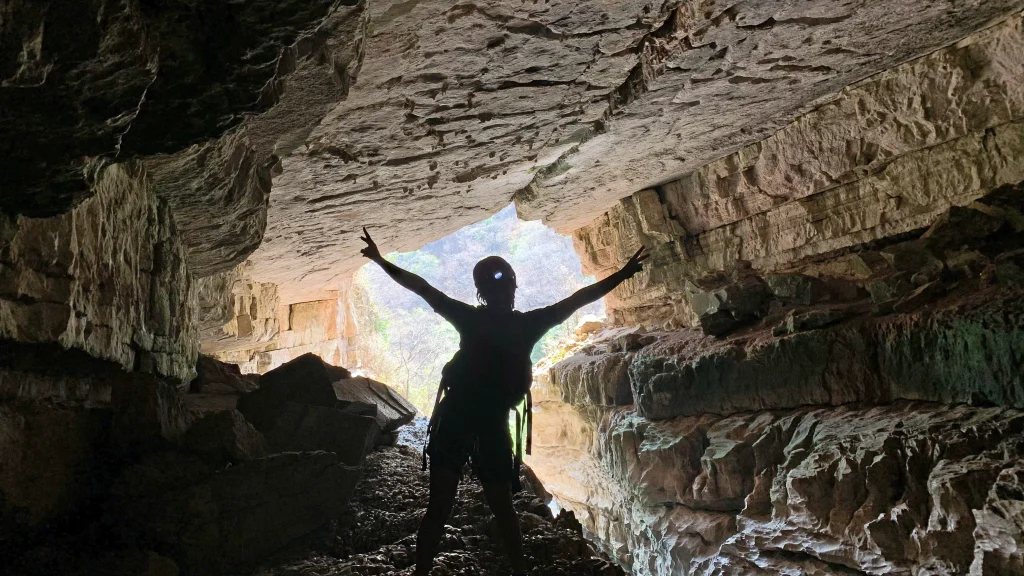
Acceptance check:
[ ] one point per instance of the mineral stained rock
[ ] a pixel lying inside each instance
(891, 489)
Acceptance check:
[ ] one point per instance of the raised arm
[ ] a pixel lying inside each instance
(561, 311)
(437, 299)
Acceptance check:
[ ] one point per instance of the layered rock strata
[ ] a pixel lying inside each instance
(261, 334)
(819, 425)
(289, 88)
(109, 277)
(886, 156)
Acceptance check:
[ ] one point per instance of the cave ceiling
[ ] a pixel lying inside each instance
(276, 130)
(563, 107)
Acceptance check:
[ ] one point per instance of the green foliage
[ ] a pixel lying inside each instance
(403, 342)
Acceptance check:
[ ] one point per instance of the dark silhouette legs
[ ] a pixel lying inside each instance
(443, 486)
(499, 499)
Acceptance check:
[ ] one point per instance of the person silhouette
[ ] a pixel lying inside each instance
(487, 377)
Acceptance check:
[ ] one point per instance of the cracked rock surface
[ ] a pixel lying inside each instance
(565, 107)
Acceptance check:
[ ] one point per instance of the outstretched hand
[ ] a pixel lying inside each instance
(371, 250)
(635, 263)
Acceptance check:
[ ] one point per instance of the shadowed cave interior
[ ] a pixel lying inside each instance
(817, 371)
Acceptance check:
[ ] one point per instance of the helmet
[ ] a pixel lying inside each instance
(494, 278)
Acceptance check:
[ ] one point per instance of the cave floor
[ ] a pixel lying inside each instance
(377, 535)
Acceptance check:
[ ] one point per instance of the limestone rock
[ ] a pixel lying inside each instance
(69, 421)
(300, 406)
(810, 320)
(304, 380)
(210, 522)
(600, 380)
(721, 305)
(243, 314)
(110, 278)
(222, 437)
(391, 410)
(556, 107)
(138, 80)
(589, 327)
(263, 335)
(302, 427)
(215, 377)
(840, 489)
(797, 288)
(48, 456)
(147, 413)
(753, 205)
(827, 358)
(286, 67)
(71, 81)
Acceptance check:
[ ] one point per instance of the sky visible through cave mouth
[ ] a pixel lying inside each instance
(405, 343)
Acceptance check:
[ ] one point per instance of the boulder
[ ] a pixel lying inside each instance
(302, 427)
(212, 521)
(797, 288)
(222, 437)
(966, 262)
(148, 412)
(919, 297)
(890, 288)
(962, 224)
(723, 304)
(913, 258)
(810, 320)
(216, 377)
(305, 380)
(589, 326)
(392, 410)
(299, 406)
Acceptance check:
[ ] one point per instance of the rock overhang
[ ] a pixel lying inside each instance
(461, 108)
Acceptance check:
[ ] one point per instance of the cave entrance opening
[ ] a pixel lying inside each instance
(406, 344)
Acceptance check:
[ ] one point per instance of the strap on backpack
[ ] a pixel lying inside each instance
(433, 420)
(519, 437)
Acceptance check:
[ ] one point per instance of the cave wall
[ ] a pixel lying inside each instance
(818, 371)
(247, 325)
(887, 156)
(138, 144)
(109, 277)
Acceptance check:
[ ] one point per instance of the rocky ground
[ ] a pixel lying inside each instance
(378, 534)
